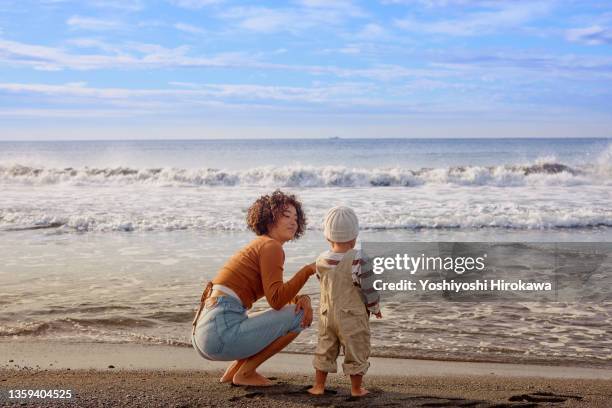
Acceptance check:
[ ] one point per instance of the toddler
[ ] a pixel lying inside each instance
(347, 299)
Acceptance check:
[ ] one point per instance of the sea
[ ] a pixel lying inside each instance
(112, 241)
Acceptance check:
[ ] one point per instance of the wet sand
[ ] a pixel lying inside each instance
(109, 375)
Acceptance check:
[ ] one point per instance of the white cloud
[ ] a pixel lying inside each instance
(350, 49)
(530, 67)
(594, 35)
(151, 24)
(266, 20)
(155, 56)
(188, 28)
(93, 24)
(452, 3)
(190, 95)
(195, 4)
(387, 72)
(184, 84)
(120, 5)
(372, 31)
(142, 56)
(507, 15)
(288, 19)
(326, 3)
(187, 99)
(67, 113)
(346, 7)
(130, 55)
(95, 44)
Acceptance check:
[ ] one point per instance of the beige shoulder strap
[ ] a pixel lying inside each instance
(205, 294)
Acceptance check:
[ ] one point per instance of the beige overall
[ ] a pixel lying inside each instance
(343, 320)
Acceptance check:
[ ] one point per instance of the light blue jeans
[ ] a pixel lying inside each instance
(224, 332)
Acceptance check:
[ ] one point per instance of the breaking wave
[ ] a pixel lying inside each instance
(539, 173)
(522, 219)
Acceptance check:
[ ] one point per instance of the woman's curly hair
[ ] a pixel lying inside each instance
(264, 211)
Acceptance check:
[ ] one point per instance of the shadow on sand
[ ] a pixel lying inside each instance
(296, 394)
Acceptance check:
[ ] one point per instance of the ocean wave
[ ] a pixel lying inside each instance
(24, 329)
(69, 324)
(529, 219)
(538, 173)
(545, 194)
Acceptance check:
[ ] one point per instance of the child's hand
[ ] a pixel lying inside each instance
(378, 315)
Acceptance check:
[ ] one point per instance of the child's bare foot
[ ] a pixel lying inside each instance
(317, 390)
(253, 378)
(360, 392)
(231, 371)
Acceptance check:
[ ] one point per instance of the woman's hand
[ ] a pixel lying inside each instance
(303, 303)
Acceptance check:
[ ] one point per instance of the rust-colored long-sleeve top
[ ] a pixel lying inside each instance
(257, 270)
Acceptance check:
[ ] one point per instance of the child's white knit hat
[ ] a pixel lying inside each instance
(341, 224)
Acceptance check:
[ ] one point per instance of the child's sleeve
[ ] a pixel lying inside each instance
(366, 278)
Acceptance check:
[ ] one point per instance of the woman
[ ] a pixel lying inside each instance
(222, 330)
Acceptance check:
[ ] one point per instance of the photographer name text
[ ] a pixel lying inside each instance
(452, 286)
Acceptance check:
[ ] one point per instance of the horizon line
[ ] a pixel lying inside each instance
(331, 138)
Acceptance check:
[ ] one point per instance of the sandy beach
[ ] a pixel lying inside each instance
(159, 376)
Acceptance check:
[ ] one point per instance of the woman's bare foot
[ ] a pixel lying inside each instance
(316, 390)
(231, 371)
(360, 392)
(253, 378)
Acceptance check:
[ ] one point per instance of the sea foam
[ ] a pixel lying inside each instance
(540, 173)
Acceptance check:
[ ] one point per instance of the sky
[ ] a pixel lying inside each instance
(183, 69)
